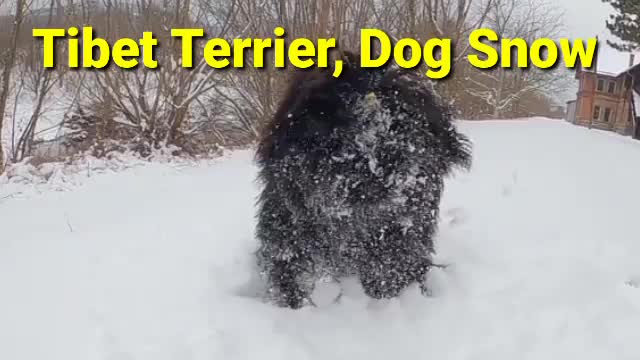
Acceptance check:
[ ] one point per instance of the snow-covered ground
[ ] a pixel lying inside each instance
(154, 262)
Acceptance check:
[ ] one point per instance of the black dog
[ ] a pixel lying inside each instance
(353, 170)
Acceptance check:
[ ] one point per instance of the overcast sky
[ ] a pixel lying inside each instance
(586, 18)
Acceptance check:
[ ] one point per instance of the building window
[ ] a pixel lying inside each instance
(607, 115)
(600, 85)
(612, 87)
(596, 113)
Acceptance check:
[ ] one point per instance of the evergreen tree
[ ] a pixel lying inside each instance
(624, 24)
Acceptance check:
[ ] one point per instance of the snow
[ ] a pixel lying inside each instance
(154, 262)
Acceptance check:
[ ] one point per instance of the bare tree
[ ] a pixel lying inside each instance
(502, 88)
(425, 19)
(38, 82)
(343, 19)
(257, 91)
(8, 67)
(146, 108)
(154, 104)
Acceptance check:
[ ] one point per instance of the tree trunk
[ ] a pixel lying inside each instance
(6, 73)
(497, 109)
(25, 142)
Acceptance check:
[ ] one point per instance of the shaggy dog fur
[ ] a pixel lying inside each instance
(353, 170)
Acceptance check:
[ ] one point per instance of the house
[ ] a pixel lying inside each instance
(606, 93)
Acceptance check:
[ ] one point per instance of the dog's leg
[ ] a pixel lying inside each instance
(284, 269)
(284, 254)
(394, 259)
(284, 282)
(378, 271)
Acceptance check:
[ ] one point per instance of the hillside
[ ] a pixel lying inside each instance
(154, 263)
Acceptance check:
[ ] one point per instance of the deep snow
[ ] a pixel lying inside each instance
(154, 263)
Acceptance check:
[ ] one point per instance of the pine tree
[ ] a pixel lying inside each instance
(624, 24)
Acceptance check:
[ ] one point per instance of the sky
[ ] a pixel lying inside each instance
(586, 18)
